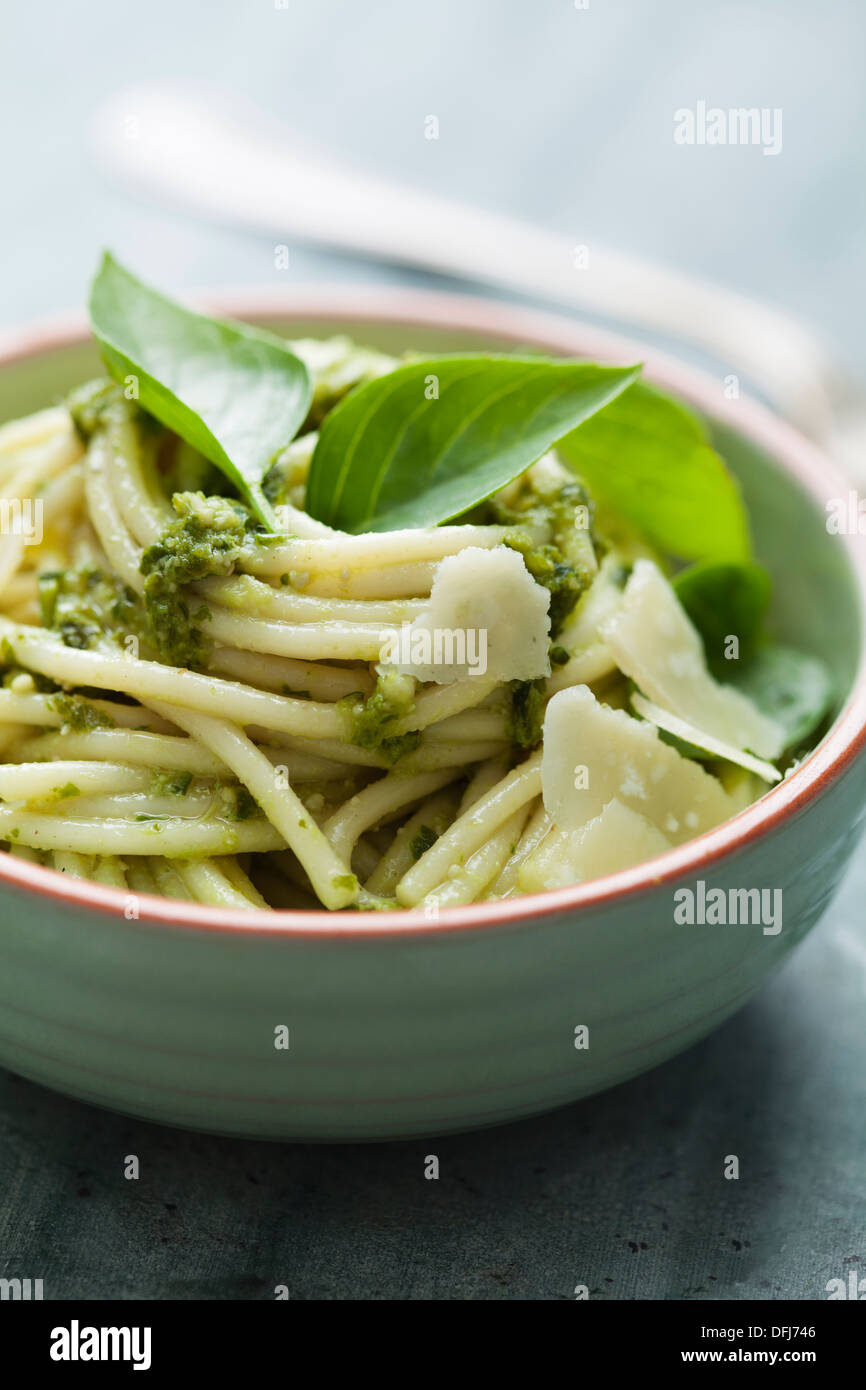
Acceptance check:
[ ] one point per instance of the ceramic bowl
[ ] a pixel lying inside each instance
(399, 1025)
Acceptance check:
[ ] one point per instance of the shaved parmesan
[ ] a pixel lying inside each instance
(616, 839)
(653, 642)
(714, 746)
(593, 754)
(485, 616)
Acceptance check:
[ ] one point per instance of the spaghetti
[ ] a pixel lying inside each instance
(194, 709)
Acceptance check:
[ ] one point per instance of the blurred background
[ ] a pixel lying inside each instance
(549, 111)
(560, 114)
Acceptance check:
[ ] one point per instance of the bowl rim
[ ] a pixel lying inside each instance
(515, 324)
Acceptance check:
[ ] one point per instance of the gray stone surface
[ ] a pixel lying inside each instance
(566, 116)
(624, 1192)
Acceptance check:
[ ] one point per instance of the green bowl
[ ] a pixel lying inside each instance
(399, 1025)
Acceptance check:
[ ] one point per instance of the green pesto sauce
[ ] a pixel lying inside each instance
(168, 782)
(209, 537)
(89, 404)
(79, 714)
(68, 789)
(549, 568)
(86, 606)
(399, 747)
(564, 562)
(424, 840)
(370, 718)
(526, 716)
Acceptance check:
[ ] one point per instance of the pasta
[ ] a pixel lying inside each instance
(194, 710)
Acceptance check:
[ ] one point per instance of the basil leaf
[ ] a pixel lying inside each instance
(234, 393)
(433, 438)
(724, 601)
(692, 751)
(648, 458)
(790, 687)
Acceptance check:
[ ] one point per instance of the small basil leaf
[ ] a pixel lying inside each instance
(234, 393)
(648, 458)
(692, 751)
(724, 601)
(791, 688)
(433, 438)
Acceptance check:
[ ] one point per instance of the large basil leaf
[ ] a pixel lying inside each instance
(723, 601)
(236, 394)
(647, 458)
(433, 438)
